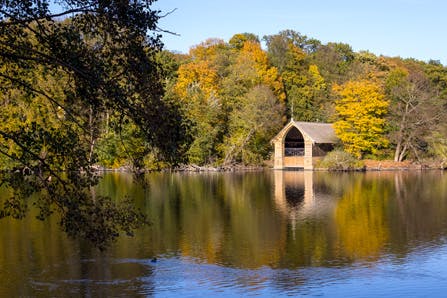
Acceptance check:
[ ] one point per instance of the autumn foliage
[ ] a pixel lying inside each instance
(381, 106)
(360, 110)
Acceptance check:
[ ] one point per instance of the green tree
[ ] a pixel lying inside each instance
(360, 109)
(278, 45)
(214, 84)
(249, 73)
(334, 61)
(257, 118)
(205, 115)
(305, 88)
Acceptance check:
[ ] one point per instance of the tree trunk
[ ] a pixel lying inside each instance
(92, 137)
(230, 155)
(397, 151)
(402, 153)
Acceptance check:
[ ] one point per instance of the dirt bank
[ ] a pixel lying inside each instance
(383, 165)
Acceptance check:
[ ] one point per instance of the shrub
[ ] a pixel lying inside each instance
(339, 160)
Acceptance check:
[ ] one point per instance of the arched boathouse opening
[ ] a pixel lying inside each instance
(294, 143)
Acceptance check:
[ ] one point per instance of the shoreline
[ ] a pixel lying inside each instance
(369, 166)
(390, 165)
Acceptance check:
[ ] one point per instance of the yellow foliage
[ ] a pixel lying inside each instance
(295, 53)
(197, 76)
(207, 49)
(360, 110)
(253, 54)
(318, 81)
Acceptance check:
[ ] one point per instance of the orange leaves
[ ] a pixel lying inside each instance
(197, 76)
(252, 56)
(215, 64)
(253, 51)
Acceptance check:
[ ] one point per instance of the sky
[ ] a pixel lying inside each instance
(405, 28)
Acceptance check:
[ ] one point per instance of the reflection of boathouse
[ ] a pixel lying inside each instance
(301, 144)
(294, 191)
(302, 194)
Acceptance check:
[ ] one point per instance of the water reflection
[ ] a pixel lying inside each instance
(302, 195)
(265, 233)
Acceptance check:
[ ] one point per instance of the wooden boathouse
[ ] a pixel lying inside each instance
(302, 144)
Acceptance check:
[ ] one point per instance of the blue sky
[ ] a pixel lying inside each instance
(405, 28)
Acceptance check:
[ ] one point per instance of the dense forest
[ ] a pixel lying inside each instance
(92, 86)
(234, 96)
(224, 101)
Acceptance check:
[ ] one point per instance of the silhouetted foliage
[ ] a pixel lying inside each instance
(62, 74)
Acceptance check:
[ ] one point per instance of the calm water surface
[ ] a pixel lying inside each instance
(272, 233)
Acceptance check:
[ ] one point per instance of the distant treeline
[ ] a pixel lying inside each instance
(224, 101)
(235, 96)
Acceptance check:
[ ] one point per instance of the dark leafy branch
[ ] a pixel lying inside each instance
(100, 60)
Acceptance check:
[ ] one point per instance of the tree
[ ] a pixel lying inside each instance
(278, 45)
(252, 124)
(213, 85)
(251, 67)
(249, 75)
(197, 89)
(104, 58)
(307, 95)
(238, 40)
(197, 75)
(334, 61)
(415, 111)
(305, 88)
(360, 110)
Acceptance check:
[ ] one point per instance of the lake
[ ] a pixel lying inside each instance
(269, 233)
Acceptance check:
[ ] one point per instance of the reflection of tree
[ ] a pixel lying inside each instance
(229, 219)
(37, 259)
(255, 230)
(361, 219)
(390, 210)
(420, 206)
(309, 232)
(219, 218)
(232, 219)
(200, 218)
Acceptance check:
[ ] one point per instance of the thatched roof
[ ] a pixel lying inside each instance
(322, 133)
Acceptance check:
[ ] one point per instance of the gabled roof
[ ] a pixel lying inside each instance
(322, 133)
